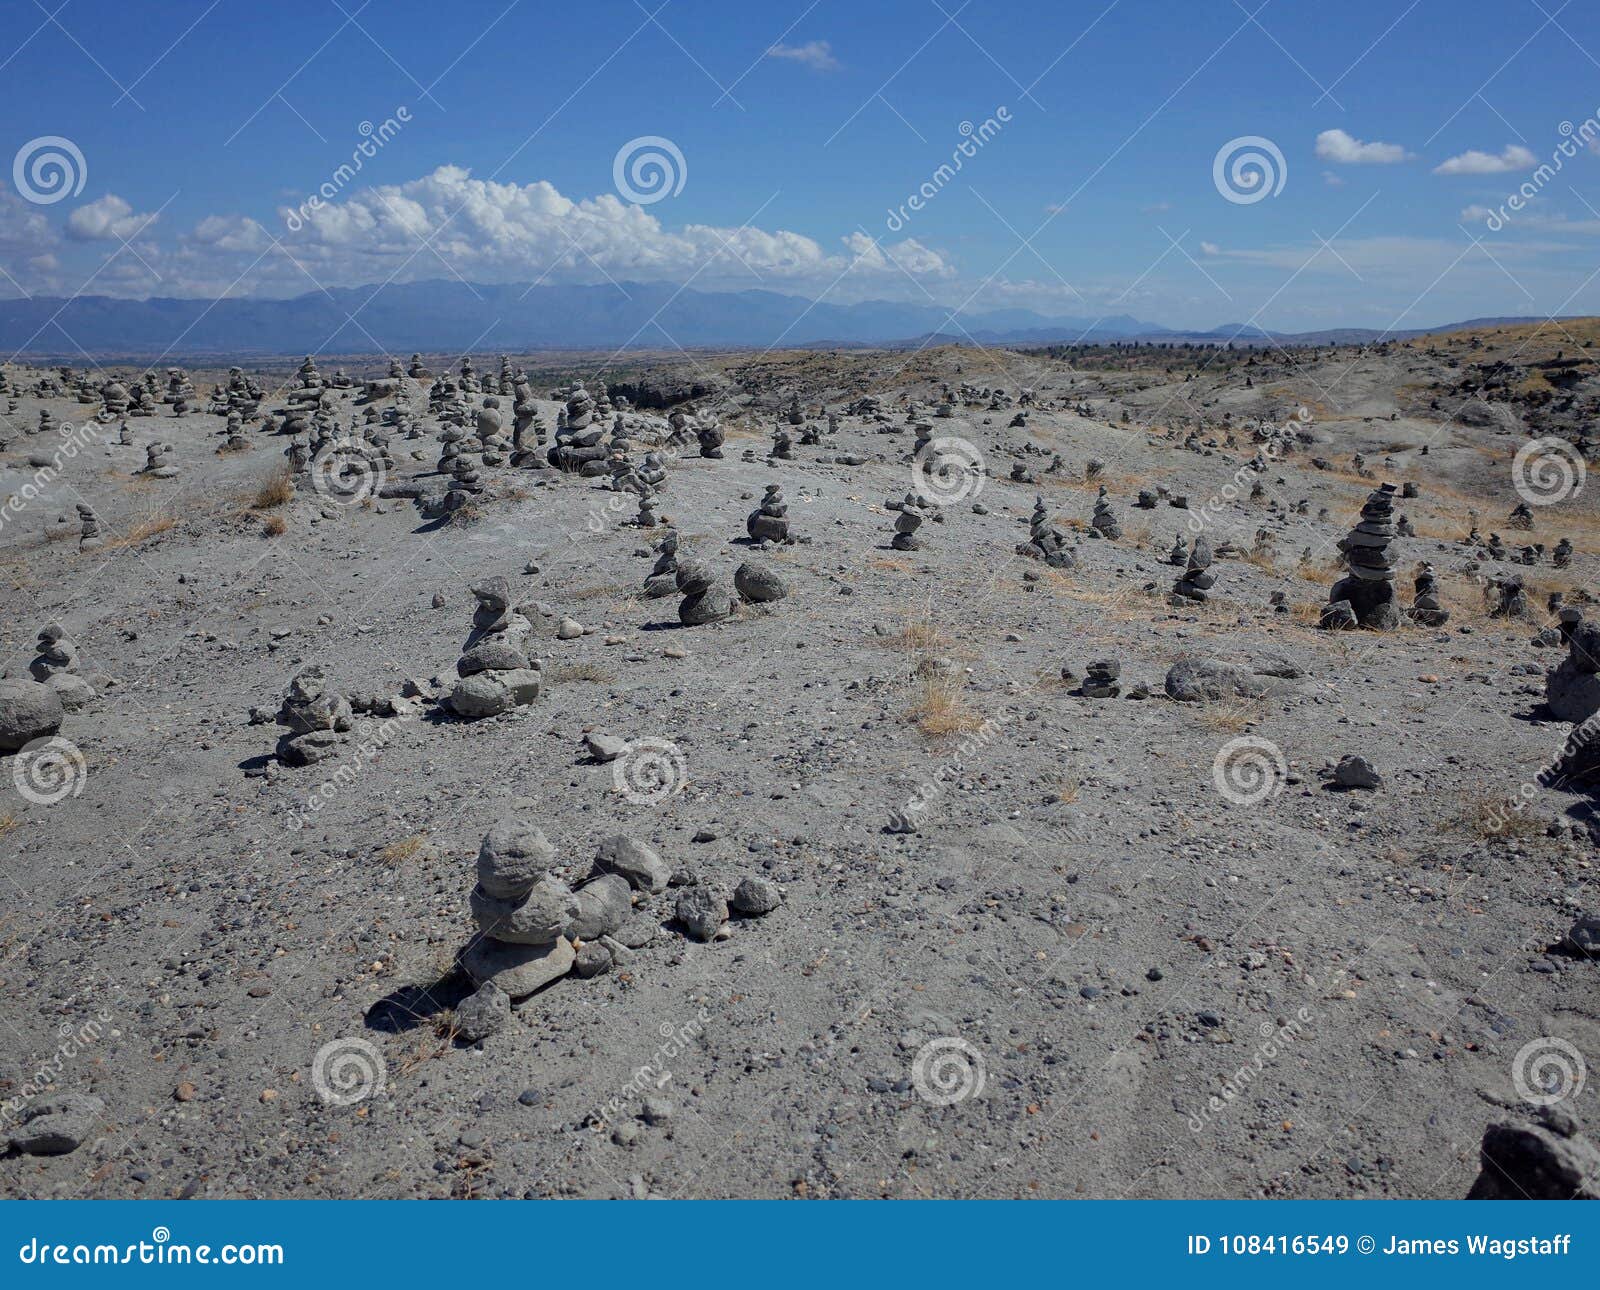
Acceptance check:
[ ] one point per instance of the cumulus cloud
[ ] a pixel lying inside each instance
(505, 232)
(1346, 150)
(815, 54)
(105, 219)
(1473, 162)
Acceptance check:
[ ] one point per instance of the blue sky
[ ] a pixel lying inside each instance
(203, 127)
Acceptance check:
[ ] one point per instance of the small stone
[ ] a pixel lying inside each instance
(569, 629)
(1355, 771)
(633, 860)
(482, 1014)
(701, 912)
(756, 896)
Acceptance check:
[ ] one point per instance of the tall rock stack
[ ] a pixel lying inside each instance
(1426, 607)
(89, 538)
(521, 910)
(527, 429)
(491, 432)
(662, 580)
(705, 599)
(711, 436)
(1045, 541)
(578, 448)
(1197, 580)
(1367, 593)
(769, 522)
(496, 672)
(1104, 524)
(1572, 690)
(906, 523)
(315, 716)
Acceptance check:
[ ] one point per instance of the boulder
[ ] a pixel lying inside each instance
(28, 711)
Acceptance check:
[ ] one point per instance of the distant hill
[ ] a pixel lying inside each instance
(455, 317)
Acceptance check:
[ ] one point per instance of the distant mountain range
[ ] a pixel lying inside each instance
(455, 317)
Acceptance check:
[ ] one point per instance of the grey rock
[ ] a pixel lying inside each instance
(512, 857)
(593, 959)
(1202, 680)
(1548, 1160)
(74, 692)
(1355, 771)
(603, 906)
(701, 911)
(519, 970)
(756, 896)
(604, 747)
(28, 711)
(57, 1123)
(538, 917)
(482, 1013)
(633, 860)
(759, 583)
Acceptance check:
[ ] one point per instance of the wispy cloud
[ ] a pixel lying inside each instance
(815, 54)
(1473, 162)
(1346, 150)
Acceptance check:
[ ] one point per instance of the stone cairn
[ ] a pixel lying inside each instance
(1045, 541)
(527, 429)
(782, 444)
(1572, 689)
(1196, 581)
(315, 717)
(578, 448)
(491, 432)
(662, 580)
(705, 599)
(1561, 557)
(909, 519)
(1179, 554)
(1366, 596)
(1104, 524)
(711, 436)
(89, 538)
(1510, 597)
(1100, 679)
(158, 461)
(496, 673)
(769, 522)
(1425, 604)
(57, 667)
(114, 401)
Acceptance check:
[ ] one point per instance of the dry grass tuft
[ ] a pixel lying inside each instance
(8, 822)
(275, 526)
(1229, 716)
(405, 849)
(889, 565)
(142, 530)
(277, 489)
(1488, 815)
(941, 709)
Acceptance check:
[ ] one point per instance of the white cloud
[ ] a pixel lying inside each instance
(815, 54)
(1346, 150)
(1210, 248)
(105, 219)
(1332, 180)
(451, 225)
(1472, 162)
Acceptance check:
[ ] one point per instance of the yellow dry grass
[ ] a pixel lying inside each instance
(941, 709)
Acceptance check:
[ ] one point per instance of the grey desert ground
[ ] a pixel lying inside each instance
(1057, 868)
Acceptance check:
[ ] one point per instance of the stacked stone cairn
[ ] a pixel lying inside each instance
(711, 436)
(316, 718)
(491, 432)
(705, 599)
(158, 461)
(769, 522)
(909, 519)
(578, 448)
(1104, 523)
(496, 672)
(89, 538)
(1196, 581)
(1426, 607)
(527, 429)
(1572, 689)
(1045, 541)
(782, 444)
(1366, 596)
(662, 580)
(1100, 679)
(1562, 555)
